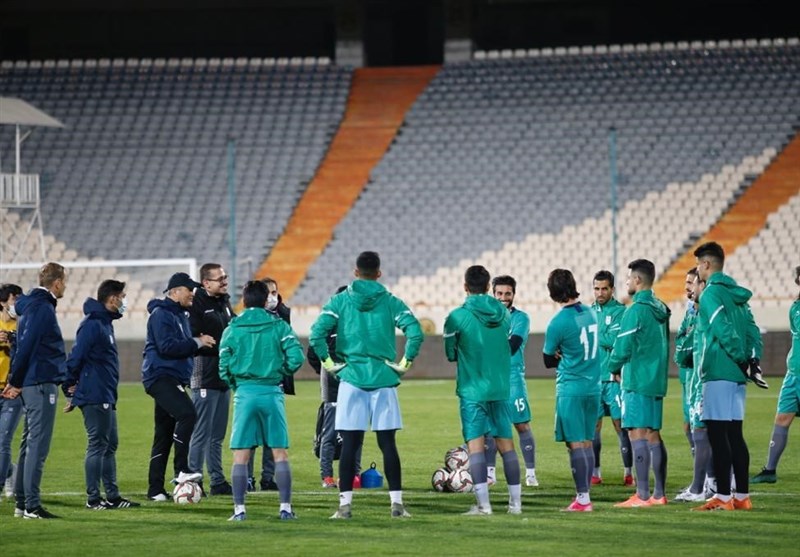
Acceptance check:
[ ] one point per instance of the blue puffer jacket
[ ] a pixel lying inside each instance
(40, 356)
(169, 349)
(93, 363)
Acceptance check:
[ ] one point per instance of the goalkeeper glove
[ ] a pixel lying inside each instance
(755, 374)
(401, 367)
(332, 367)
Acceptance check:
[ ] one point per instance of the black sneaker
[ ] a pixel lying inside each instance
(121, 503)
(98, 505)
(223, 488)
(269, 485)
(38, 512)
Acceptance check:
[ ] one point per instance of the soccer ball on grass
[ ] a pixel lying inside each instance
(187, 493)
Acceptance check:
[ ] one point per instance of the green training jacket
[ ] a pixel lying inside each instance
(684, 343)
(641, 350)
(258, 347)
(729, 335)
(364, 318)
(476, 337)
(608, 318)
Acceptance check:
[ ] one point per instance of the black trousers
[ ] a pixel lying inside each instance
(174, 423)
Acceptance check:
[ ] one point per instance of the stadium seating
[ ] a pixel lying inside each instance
(766, 263)
(141, 170)
(504, 161)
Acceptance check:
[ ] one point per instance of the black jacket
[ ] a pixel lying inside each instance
(328, 384)
(285, 312)
(209, 315)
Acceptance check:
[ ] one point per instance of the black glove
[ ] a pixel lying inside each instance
(743, 366)
(756, 374)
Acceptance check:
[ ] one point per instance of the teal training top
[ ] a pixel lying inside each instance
(793, 359)
(573, 333)
(521, 327)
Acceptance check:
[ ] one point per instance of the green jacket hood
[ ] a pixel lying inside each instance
(657, 308)
(365, 294)
(486, 309)
(739, 294)
(255, 319)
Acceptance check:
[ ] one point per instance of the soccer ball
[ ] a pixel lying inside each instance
(460, 481)
(187, 493)
(456, 459)
(440, 480)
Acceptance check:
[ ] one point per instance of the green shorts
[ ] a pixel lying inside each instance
(789, 397)
(641, 411)
(609, 401)
(259, 417)
(696, 413)
(519, 407)
(685, 402)
(576, 417)
(481, 418)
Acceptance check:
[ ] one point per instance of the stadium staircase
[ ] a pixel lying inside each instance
(378, 101)
(775, 187)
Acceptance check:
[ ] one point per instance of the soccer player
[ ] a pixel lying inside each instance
(703, 484)
(92, 381)
(504, 289)
(10, 409)
(364, 318)
(256, 352)
(476, 338)
(169, 351)
(641, 355)
(683, 351)
(570, 346)
(37, 368)
(329, 391)
(788, 399)
(730, 343)
(609, 312)
(210, 313)
(275, 306)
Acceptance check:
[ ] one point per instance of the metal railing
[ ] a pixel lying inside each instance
(19, 190)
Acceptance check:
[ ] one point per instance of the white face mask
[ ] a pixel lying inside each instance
(272, 302)
(12, 312)
(123, 307)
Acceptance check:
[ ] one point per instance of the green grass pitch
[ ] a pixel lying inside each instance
(437, 528)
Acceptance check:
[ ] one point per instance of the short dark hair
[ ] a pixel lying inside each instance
(692, 271)
(505, 280)
(51, 272)
(477, 279)
(254, 294)
(368, 264)
(8, 290)
(268, 280)
(561, 285)
(645, 269)
(109, 288)
(205, 270)
(607, 276)
(711, 250)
